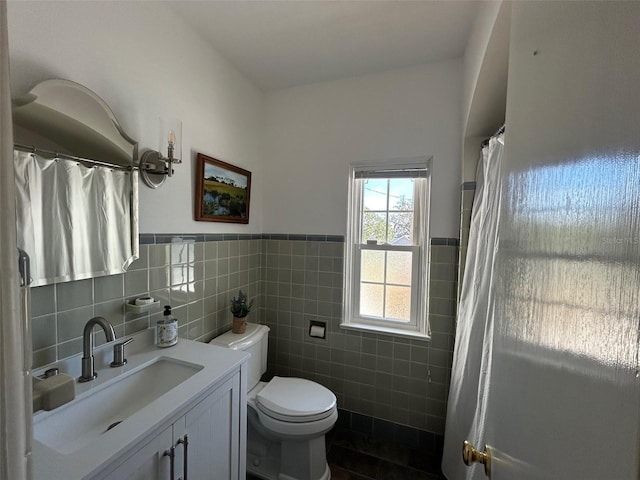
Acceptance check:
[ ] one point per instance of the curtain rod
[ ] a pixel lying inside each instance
(25, 148)
(500, 131)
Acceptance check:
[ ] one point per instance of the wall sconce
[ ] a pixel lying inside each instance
(156, 166)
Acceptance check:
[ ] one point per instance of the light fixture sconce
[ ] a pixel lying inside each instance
(156, 166)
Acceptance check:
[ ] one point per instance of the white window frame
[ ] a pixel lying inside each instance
(418, 326)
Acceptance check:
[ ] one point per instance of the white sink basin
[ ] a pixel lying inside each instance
(74, 425)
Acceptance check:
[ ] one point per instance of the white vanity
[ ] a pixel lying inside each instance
(181, 413)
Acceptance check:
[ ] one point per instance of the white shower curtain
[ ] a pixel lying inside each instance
(15, 362)
(64, 242)
(473, 345)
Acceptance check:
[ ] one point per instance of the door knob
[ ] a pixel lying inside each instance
(470, 455)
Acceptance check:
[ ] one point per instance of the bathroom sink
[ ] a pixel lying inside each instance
(74, 425)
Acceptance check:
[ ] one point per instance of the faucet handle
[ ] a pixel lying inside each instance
(118, 353)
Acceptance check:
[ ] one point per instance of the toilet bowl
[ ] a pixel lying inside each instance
(287, 417)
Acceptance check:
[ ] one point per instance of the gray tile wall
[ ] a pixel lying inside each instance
(391, 378)
(294, 280)
(196, 279)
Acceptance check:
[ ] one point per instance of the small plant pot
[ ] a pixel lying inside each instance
(239, 325)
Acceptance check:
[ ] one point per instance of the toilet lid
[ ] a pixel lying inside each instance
(296, 398)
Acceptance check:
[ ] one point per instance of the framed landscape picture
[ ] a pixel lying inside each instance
(222, 191)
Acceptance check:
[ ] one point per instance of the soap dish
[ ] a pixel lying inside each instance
(133, 308)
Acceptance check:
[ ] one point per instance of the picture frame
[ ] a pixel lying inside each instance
(223, 191)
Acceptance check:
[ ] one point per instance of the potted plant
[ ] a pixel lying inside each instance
(240, 308)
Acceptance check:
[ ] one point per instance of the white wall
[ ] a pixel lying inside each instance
(486, 61)
(475, 52)
(145, 63)
(314, 132)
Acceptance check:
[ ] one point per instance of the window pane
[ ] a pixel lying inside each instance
(399, 267)
(375, 194)
(400, 228)
(401, 193)
(374, 227)
(398, 303)
(372, 266)
(400, 231)
(371, 299)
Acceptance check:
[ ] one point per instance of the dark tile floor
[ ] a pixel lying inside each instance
(356, 456)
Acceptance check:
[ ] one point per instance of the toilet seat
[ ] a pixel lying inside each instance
(309, 421)
(295, 400)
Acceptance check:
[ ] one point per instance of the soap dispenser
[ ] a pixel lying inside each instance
(167, 329)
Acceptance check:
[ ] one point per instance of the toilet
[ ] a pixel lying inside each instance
(287, 417)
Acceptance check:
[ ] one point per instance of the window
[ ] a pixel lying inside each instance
(387, 238)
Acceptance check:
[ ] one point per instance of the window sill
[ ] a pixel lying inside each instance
(395, 332)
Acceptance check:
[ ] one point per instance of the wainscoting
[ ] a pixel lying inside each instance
(294, 279)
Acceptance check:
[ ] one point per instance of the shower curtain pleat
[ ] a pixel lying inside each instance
(466, 407)
(15, 380)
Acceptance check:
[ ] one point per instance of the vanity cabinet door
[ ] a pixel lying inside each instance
(213, 427)
(149, 462)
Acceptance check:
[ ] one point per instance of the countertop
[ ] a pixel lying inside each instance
(95, 458)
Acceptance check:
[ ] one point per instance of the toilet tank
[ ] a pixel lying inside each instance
(255, 341)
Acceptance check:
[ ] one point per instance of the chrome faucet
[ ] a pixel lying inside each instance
(88, 372)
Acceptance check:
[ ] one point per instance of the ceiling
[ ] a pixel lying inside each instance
(279, 44)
